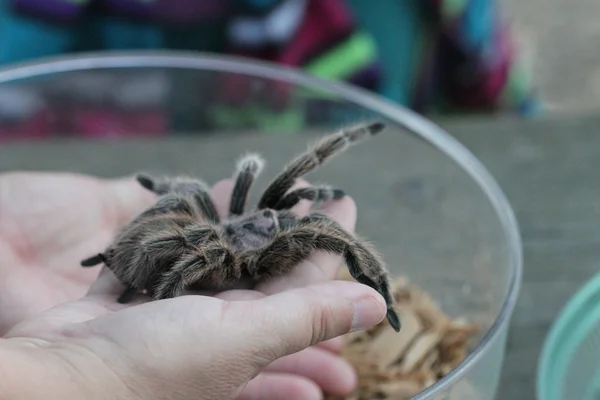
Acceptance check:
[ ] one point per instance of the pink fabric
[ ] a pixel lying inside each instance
(99, 123)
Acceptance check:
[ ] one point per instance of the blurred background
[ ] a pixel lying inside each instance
(439, 58)
(435, 57)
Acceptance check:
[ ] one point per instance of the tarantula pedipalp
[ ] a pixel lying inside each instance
(181, 243)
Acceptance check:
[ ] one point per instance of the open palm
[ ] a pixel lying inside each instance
(48, 222)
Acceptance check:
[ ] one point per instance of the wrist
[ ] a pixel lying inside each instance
(30, 371)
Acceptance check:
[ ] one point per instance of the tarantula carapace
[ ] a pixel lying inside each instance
(181, 243)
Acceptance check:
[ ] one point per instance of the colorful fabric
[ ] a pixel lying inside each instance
(320, 37)
(474, 60)
(429, 55)
(156, 11)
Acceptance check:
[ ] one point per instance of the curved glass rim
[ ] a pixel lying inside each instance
(408, 119)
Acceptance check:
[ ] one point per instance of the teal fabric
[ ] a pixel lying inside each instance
(119, 34)
(26, 38)
(479, 22)
(29, 38)
(395, 25)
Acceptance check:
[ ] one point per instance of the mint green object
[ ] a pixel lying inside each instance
(569, 366)
(359, 48)
(287, 121)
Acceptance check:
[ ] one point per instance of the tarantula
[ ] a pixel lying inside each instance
(181, 243)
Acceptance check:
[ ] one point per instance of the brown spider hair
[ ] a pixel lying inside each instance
(181, 243)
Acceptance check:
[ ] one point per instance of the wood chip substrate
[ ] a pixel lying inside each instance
(399, 365)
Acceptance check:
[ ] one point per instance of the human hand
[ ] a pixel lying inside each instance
(186, 348)
(48, 223)
(309, 371)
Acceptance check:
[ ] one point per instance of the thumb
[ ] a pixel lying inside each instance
(291, 321)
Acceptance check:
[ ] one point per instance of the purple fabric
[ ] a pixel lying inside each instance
(170, 10)
(192, 10)
(177, 11)
(56, 9)
(369, 77)
(131, 8)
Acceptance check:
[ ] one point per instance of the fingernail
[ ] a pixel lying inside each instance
(367, 313)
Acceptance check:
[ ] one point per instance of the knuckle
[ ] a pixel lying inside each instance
(322, 321)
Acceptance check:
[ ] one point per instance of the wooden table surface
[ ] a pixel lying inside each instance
(549, 170)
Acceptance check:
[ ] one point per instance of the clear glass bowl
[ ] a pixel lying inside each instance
(432, 209)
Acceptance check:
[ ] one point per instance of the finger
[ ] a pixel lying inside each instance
(124, 199)
(276, 386)
(320, 266)
(334, 345)
(342, 211)
(222, 190)
(220, 194)
(288, 322)
(303, 206)
(331, 373)
(333, 364)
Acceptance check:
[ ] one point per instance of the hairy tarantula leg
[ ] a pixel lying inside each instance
(94, 260)
(294, 245)
(316, 155)
(369, 258)
(247, 169)
(182, 274)
(287, 219)
(159, 249)
(183, 186)
(170, 203)
(127, 295)
(383, 287)
(194, 269)
(147, 182)
(320, 193)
